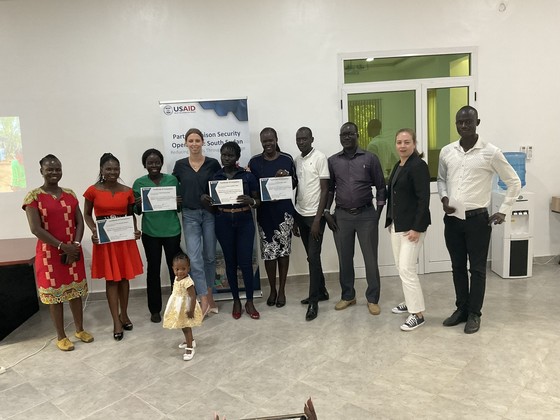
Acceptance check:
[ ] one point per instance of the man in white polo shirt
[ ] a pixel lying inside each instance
(465, 172)
(311, 198)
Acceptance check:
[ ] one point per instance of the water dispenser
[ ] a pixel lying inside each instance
(512, 241)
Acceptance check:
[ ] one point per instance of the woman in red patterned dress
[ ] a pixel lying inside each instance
(55, 218)
(116, 262)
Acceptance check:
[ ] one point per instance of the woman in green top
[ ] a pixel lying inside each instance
(159, 229)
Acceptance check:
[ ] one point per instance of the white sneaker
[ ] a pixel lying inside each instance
(412, 322)
(184, 345)
(188, 356)
(400, 309)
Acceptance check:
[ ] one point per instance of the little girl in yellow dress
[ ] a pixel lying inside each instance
(182, 310)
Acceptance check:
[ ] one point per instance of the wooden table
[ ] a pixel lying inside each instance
(18, 292)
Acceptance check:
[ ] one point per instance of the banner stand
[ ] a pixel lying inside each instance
(220, 120)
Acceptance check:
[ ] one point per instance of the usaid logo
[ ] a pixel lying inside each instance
(178, 109)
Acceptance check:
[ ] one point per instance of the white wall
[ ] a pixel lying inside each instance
(86, 76)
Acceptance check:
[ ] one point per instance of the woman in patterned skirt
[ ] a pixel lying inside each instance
(55, 218)
(275, 219)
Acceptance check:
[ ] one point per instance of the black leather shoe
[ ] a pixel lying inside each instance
(324, 296)
(456, 318)
(155, 317)
(312, 311)
(473, 324)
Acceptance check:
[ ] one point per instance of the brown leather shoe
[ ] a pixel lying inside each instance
(343, 304)
(373, 308)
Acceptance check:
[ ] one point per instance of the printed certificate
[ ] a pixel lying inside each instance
(276, 188)
(225, 192)
(158, 198)
(115, 229)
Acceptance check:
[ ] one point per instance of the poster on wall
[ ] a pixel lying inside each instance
(220, 120)
(12, 171)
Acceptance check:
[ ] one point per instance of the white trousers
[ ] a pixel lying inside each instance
(406, 256)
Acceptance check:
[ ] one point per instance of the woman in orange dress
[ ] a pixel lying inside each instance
(116, 262)
(55, 218)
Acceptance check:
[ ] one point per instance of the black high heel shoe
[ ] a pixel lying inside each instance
(271, 301)
(118, 336)
(127, 325)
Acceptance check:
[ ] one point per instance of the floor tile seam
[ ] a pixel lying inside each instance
(463, 362)
(149, 405)
(25, 381)
(110, 405)
(362, 404)
(517, 399)
(35, 403)
(27, 409)
(225, 414)
(136, 389)
(244, 400)
(523, 384)
(189, 401)
(522, 355)
(483, 400)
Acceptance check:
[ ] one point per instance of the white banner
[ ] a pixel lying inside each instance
(220, 120)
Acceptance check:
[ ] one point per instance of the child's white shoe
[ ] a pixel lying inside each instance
(188, 356)
(184, 345)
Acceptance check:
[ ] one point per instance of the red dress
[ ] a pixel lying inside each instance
(57, 282)
(113, 261)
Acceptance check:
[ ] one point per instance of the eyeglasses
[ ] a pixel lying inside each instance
(347, 134)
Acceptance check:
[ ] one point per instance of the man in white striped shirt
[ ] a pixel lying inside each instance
(465, 173)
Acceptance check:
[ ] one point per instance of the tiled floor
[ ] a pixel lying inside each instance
(353, 365)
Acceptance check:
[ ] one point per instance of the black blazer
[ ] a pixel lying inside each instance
(410, 197)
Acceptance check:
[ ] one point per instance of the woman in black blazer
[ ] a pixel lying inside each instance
(408, 217)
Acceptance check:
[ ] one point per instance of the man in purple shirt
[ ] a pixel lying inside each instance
(353, 174)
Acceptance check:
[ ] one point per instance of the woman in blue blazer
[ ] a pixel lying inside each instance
(408, 217)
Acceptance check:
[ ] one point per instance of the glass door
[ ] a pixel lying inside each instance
(379, 111)
(440, 103)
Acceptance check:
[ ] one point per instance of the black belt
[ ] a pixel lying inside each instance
(113, 216)
(234, 209)
(475, 212)
(356, 210)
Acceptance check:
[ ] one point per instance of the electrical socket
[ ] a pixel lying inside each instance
(529, 152)
(523, 149)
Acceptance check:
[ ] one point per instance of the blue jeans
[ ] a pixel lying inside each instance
(200, 238)
(236, 233)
